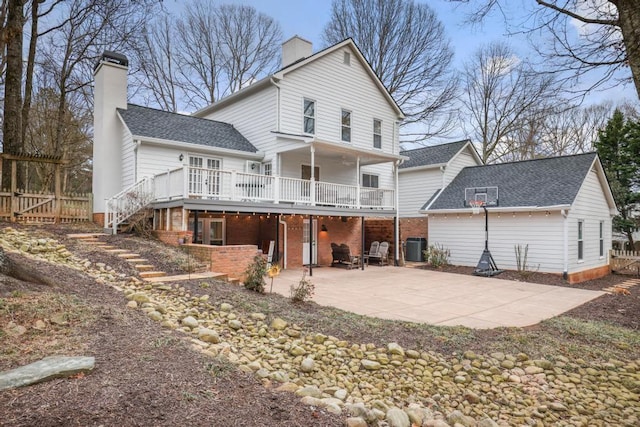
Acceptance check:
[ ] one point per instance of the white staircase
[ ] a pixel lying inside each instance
(127, 202)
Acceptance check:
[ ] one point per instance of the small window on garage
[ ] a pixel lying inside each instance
(580, 240)
(346, 59)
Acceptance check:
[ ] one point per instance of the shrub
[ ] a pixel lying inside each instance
(304, 291)
(437, 255)
(522, 266)
(254, 275)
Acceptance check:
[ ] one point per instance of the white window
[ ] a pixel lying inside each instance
(309, 116)
(580, 240)
(369, 180)
(377, 133)
(346, 125)
(267, 169)
(346, 58)
(601, 239)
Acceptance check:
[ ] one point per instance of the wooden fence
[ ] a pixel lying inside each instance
(45, 208)
(625, 262)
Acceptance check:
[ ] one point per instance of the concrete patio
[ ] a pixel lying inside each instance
(425, 296)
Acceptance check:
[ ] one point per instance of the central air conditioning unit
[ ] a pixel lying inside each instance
(252, 167)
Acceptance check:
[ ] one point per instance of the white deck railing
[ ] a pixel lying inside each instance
(192, 182)
(127, 202)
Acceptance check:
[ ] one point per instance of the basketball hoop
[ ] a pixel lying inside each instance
(476, 205)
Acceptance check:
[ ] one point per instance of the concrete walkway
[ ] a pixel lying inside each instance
(437, 298)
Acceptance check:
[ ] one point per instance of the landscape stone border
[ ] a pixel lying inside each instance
(377, 386)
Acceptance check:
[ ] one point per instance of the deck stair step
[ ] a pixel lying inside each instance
(128, 255)
(144, 267)
(152, 274)
(192, 276)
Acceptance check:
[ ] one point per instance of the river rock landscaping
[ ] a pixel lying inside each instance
(360, 383)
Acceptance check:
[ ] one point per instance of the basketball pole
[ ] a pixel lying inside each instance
(486, 228)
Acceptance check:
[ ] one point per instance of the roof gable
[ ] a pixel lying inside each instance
(547, 182)
(151, 123)
(358, 54)
(435, 154)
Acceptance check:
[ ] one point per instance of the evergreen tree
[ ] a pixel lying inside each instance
(618, 146)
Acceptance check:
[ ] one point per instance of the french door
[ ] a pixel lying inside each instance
(204, 176)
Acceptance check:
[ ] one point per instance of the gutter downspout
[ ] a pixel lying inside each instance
(284, 242)
(273, 82)
(396, 231)
(565, 243)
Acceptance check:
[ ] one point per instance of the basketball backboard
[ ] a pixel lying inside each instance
(489, 195)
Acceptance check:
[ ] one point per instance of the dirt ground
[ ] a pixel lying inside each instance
(147, 375)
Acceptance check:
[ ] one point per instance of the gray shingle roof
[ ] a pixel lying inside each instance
(152, 123)
(542, 182)
(432, 155)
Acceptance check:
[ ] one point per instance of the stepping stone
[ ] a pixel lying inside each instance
(192, 276)
(117, 251)
(45, 369)
(136, 260)
(144, 267)
(128, 256)
(152, 274)
(108, 247)
(233, 280)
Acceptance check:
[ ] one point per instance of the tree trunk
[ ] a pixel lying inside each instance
(629, 18)
(12, 124)
(31, 59)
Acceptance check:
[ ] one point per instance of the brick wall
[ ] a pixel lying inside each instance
(173, 237)
(98, 218)
(413, 227)
(231, 260)
(593, 273)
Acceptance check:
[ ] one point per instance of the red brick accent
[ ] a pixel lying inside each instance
(593, 273)
(413, 227)
(98, 218)
(231, 260)
(173, 237)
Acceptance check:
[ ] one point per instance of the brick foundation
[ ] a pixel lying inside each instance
(232, 260)
(593, 273)
(173, 238)
(98, 218)
(413, 227)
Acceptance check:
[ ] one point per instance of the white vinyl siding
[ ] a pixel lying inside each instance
(463, 235)
(255, 117)
(591, 207)
(334, 86)
(154, 160)
(460, 161)
(128, 159)
(415, 188)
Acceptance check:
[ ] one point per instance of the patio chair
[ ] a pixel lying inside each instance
(375, 246)
(341, 254)
(381, 256)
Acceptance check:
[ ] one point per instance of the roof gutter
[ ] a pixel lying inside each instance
(198, 147)
(499, 209)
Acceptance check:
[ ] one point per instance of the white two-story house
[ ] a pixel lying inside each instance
(299, 158)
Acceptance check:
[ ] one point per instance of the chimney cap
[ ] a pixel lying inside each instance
(114, 58)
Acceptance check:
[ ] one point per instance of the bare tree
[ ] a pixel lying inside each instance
(12, 120)
(609, 39)
(249, 43)
(502, 94)
(158, 74)
(406, 45)
(223, 49)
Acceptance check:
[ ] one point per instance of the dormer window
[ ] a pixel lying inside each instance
(309, 116)
(346, 125)
(346, 59)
